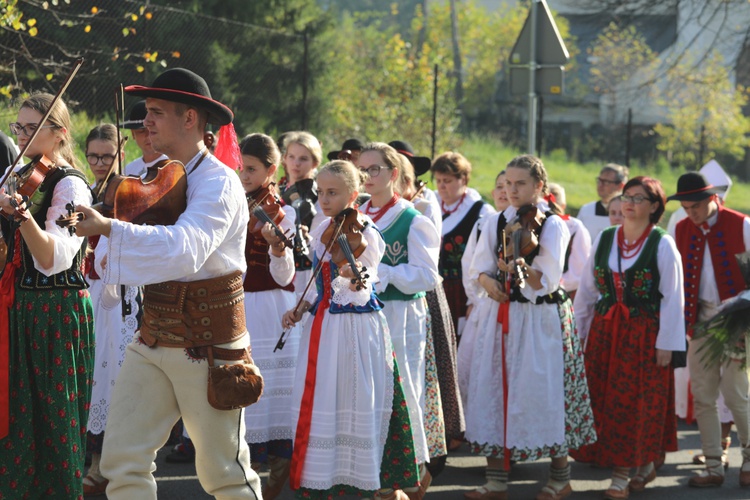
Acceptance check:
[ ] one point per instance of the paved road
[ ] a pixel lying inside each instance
(464, 472)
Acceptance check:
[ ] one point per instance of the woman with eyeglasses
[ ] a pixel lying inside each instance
(116, 314)
(407, 270)
(46, 320)
(462, 206)
(629, 306)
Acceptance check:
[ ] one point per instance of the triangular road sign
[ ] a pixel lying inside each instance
(550, 48)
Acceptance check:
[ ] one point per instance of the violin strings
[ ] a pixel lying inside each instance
(261, 214)
(344, 244)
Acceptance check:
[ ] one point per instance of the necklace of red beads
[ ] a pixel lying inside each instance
(447, 212)
(629, 250)
(377, 213)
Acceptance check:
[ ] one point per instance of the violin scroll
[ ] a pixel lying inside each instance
(71, 219)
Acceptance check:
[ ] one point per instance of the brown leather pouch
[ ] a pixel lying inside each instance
(233, 386)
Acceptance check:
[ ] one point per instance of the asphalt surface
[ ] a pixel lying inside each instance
(465, 472)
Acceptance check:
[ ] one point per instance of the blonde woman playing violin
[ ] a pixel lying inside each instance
(347, 376)
(46, 321)
(527, 369)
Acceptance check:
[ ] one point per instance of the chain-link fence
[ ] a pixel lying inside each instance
(262, 74)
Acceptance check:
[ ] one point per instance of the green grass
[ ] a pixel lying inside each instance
(488, 157)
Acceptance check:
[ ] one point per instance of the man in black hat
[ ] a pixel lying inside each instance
(193, 306)
(708, 239)
(349, 151)
(139, 132)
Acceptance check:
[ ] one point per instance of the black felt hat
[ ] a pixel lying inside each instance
(349, 145)
(184, 86)
(421, 163)
(693, 186)
(136, 115)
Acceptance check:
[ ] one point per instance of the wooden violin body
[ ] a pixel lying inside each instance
(344, 240)
(156, 199)
(523, 238)
(265, 208)
(27, 180)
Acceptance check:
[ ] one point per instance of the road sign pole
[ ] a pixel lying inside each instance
(531, 145)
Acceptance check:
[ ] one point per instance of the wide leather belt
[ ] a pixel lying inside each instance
(194, 314)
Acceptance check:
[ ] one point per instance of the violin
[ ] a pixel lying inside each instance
(345, 242)
(265, 208)
(159, 198)
(523, 238)
(26, 181)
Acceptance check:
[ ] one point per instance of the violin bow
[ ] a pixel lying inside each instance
(119, 101)
(125, 307)
(280, 343)
(76, 66)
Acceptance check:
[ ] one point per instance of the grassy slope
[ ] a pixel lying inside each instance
(488, 157)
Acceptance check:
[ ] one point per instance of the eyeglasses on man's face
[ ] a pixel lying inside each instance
(105, 159)
(27, 130)
(602, 180)
(637, 199)
(373, 170)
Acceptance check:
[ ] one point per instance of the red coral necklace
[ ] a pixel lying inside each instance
(629, 250)
(376, 214)
(447, 212)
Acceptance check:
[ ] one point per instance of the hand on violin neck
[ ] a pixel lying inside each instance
(347, 272)
(93, 222)
(6, 203)
(493, 288)
(504, 266)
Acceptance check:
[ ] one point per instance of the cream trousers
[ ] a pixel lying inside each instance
(156, 387)
(706, 382)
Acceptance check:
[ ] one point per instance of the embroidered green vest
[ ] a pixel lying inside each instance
(641, 281)
(396, 237)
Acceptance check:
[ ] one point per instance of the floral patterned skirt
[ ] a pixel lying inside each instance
(434, 425)
(579, 417)
(632, 398)
(51, 364)
(444, 340)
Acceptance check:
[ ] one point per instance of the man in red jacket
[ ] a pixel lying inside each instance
(708, 240)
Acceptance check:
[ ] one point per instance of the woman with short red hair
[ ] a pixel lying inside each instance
(630, 305)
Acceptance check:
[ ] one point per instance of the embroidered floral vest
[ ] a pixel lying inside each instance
(640, 284)
(454, 244)
(724, 242)
(28, 277)
(396, 237)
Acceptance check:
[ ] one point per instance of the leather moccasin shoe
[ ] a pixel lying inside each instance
(483, 493)
(96, 488)
(706, 480)
(548, 493)
(638, 483)
(616, 494)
